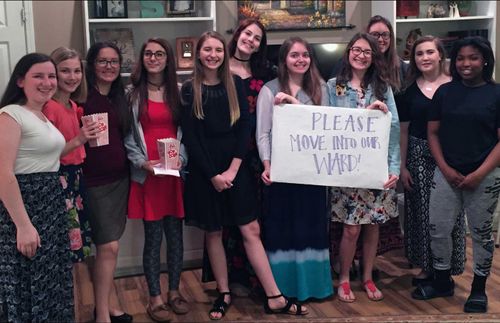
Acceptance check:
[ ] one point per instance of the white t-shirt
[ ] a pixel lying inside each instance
(41, 143)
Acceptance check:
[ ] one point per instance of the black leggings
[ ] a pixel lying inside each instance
(153, 235)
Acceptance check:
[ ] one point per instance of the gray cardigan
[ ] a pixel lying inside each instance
(136, 147)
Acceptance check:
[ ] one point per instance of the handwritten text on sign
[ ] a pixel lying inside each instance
(330, 146)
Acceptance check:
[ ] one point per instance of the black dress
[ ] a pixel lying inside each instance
(212, 143)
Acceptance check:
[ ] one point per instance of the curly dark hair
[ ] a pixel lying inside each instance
(375, 75)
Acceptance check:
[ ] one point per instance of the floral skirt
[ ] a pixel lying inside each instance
(362, 206)
(79, 227)
(39, 289)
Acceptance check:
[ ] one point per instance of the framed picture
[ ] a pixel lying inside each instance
(407, 8)
(180, 7)
(288, 15)
(123, 39)
(186, 47)
(117, 8)
(100, 9)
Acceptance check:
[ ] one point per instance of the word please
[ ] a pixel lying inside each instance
(323, 121)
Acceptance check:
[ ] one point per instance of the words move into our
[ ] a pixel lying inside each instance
(329, 146)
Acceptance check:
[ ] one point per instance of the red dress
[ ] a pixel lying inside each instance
(159, 196)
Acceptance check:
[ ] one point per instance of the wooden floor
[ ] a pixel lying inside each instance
(398, 306)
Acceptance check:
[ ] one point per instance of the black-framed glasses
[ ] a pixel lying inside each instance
(158, 54)
(385, 35)
(105, 62)
(358, 50)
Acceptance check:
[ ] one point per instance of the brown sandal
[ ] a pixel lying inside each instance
(160, 313)
(179, 304)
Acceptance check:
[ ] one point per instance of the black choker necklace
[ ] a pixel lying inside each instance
(241, 60)
(157, 86)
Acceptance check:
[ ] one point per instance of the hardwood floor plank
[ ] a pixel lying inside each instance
(394, 282)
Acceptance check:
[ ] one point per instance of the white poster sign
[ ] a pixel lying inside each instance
(330, 146)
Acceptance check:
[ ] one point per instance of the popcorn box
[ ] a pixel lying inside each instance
(102, 120)
(168, 149)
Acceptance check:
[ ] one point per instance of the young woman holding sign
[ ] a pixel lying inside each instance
(295, 223)
(219, 188)
(361, 84)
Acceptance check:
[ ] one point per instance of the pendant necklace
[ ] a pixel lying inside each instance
(156, 87)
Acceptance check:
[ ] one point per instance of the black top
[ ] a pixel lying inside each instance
(215, 124)
(469, 121)
(211, 144)
(412, 107)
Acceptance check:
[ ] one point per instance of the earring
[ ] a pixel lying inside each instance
(485, 64)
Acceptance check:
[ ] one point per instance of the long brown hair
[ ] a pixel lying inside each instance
(374, 74)
(413, 71)
(61, 54)
(139, 78)
(223, 73)
(257, 59)
(311, 82)
(390, 57)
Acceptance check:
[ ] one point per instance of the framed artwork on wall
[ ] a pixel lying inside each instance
(185, 52)
(288, 15)
(116, 8)
(180, 7)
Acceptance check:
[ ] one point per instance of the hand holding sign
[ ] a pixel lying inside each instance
(283, 98)
(378, 105)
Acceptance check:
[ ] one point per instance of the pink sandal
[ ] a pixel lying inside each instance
(371, 288)
(346, 289)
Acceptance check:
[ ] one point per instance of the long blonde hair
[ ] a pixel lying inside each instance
(61, 54)
(223, 73)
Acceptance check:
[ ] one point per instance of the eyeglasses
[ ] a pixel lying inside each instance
(158, 54)
(385, 35)
(358, 50)
(105, 62)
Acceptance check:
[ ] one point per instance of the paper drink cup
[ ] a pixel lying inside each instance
(102, 121)
(168, 149)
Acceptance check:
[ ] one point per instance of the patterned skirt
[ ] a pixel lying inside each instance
(79, 228)
(40, 288)
(421, 166)
(362, 206)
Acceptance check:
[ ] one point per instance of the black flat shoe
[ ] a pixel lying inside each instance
(124, 318)
(429, 291)
(415, 281)
(476, 303)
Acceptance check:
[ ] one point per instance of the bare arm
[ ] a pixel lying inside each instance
(88, 131)
(452, 175)
(403, 142)
(10, 194)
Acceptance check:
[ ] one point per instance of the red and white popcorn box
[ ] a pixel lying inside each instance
(168, 149)
(103, 135)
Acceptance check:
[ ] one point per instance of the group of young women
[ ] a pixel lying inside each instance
(55, 194)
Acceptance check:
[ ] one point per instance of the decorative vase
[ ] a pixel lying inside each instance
(464, 7)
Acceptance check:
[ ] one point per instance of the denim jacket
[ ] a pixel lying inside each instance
(349, 100)
(136, 148)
